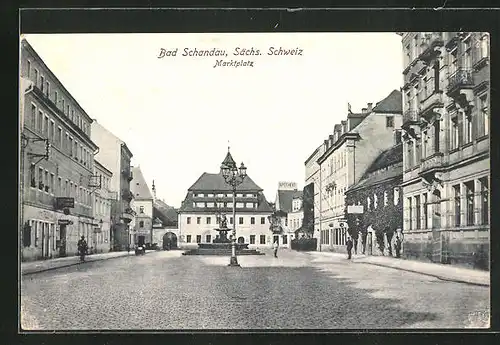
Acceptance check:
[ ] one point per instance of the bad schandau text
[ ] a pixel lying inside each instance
(221, 55)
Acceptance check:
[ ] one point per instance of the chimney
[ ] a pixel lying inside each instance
(326, 144)
(369, 110)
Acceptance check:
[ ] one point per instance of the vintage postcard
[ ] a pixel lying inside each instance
(254, 181)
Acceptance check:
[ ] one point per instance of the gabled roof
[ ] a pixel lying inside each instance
(166, 221)
(138, 185)
(168, 211)
(391, 104)
(388, 157)
(262, 205)
(286, 197)
(216, 182)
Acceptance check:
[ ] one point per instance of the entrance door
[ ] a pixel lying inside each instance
(62, 243)
(436, 226)
(241, 239)
(141, 240)
(45, 240)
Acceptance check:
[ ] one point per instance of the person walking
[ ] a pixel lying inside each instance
(275, 248)
(349, 246)
(397, 246)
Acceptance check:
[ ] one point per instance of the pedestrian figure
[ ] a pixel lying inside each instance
(356, 246)
(275, 247)
(82, 248)
(349, 246)
(397, 247)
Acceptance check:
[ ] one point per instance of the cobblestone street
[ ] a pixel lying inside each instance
(164, 290)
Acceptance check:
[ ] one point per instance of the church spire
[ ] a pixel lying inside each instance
(229, 161)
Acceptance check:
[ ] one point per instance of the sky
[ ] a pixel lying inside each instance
(177, 114)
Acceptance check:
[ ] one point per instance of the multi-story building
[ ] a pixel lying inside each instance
(57, 163)
(143, 206)
(102, 209)
(312, 185)
(289, 209)
(446, 146)
(115, 155)
(374, 226)
(211, 196)
(348, 153)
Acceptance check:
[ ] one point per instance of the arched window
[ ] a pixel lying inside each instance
(141, 224)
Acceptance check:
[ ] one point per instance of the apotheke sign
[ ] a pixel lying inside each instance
(287, 185)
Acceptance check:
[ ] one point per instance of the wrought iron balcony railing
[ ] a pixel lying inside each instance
(462, 78)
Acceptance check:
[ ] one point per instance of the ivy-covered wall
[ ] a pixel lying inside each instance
(384, 218)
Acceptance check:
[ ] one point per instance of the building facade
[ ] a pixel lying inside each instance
(210, 197)
(348, 152)
(375, 224)
(288, 205)
(312, 178)
(100, 239)
(115, 155)
(446, 146)
(142, 224)
(56, 164)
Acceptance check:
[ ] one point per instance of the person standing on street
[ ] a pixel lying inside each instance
(397, 246)
(275, 247)
(349, 248)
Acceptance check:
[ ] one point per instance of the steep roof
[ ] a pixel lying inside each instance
(168, 211)
(375, 174)
(391, 104)
(262, 205)
(229, 161)
(138, 185)
(165, 219)
(285, 198)
(216, 182)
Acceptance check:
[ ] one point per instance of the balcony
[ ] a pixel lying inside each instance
(431, 42)
(126, 217)
(451, 40)
(432, 106)
(432, 164)
(460, 85)
(414, 73)
(410, 118)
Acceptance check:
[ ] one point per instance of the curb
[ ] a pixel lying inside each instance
(72, 264)
(426, 274)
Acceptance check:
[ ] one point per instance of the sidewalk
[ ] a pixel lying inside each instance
(51, 264)
(444, 272)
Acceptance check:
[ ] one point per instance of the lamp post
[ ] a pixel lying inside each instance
(233, 177)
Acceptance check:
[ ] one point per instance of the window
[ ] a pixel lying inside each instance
(67, 109)
(28, 68)
(56, 96)
(35, 77)
(262, 220)
(239, 205)
(375, 201)
(71, 147)
(252, 220)
(46, 181)
(52, 131)
(368, 203)
(437, 131)
(46, 126)
(188, 238)
(40, 121)
(456, 190)
(62, 104)
(389, 121)
(410, 214)
(252, 239)
(32, 176)
(483, 120)
(285, 239)
(262, 239)
(42, 83)
(209, 220)
(33, 116)
(249, 205)
(230, 220)
(66, 189)
(47, 89)
(396, 195)
(209, 238)
(52, 183)
(468, 129)
(485, 209)
(417, 211)
(386, 198)
(59, 186)
(424, 207)
(469, 186)
(198, 220)
(40, 178)
(240, 220)
(454, 133)
(198, 238)
(141, 209)
(27, 235)
(141, 224)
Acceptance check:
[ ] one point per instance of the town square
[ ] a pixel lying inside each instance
(161, 193)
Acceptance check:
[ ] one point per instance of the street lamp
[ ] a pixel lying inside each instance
(233, 177)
